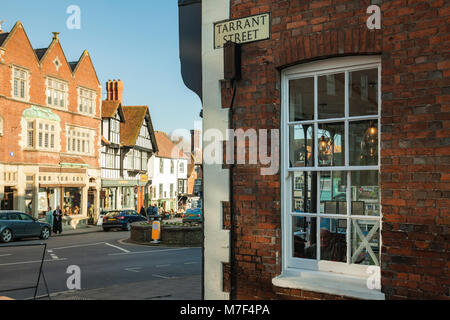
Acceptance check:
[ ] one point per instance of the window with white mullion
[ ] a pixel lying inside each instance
(332, 129)
(57, 93)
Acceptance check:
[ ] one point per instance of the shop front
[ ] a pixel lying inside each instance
(123, 194)
(67, 189)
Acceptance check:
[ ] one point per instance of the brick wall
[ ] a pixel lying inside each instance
(413, 43)
(19, 52)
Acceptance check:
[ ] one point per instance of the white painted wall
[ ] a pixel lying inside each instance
(166, 178)
(215, 179)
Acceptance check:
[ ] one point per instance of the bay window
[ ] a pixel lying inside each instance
(331, 189)
(42, 135)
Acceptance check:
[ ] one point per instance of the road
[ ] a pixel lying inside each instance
(110, 268)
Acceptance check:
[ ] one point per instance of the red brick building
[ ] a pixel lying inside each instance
(50, 111)
(364, 147)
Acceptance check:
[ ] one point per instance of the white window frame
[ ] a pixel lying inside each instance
(54, 87)
(78, 138)
(181, 167)
(315, 69)
(89, 96)
(22, 82)
(44, 134)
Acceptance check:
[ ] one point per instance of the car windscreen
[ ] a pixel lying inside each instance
(113, 214)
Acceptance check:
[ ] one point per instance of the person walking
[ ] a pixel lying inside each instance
(49, 217)
(143, 212)
(150, 211)
(57, 221)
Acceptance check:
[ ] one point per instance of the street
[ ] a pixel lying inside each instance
(110, 268)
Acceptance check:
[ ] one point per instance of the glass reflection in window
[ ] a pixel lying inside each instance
(304, 237)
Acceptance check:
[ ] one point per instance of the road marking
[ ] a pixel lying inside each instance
(54, 256)
(193, 262)
(162, 277)
(135, 269)
(162, 265)
(80, 246)
(122, 249)
(30, 262)
(151, 251)
(5, 255)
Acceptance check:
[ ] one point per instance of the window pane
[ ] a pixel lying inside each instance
(304, 237)
(365, 240)
(331, 144)
(301, 99)
(304, 192)
(22, 89)
(365, 193)
(363, 136)
(333, 239)
(363, 92)
(331, 93)
(333, 194)
(301, 146)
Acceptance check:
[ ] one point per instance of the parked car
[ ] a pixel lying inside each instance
(17, 225)
(192, 215)
(121, 219)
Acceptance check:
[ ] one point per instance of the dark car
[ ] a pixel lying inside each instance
(192, 215)
(121, 219)
(16, 225)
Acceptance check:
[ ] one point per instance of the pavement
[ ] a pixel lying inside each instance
(85, 230)
(186, 288)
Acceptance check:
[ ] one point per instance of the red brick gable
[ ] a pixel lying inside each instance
(17, 51)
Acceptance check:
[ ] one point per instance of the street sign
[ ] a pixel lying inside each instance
(244, 30)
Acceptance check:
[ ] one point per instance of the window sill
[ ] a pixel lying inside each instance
(329, 283)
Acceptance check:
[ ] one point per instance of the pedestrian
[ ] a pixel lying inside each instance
(155, 210)
(150, 211)
(57, 221)
(143, 212)
(49, 217)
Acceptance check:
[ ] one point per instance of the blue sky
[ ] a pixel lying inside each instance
(135, 41)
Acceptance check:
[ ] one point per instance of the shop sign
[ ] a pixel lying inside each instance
(244, 30)
(144, 178)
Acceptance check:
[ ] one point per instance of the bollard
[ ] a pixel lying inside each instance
(156, 232)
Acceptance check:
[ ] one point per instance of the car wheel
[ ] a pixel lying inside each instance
(106, 229)
(127, 227)
(45, 234)
(6, 236)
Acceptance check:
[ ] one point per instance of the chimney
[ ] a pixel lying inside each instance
(114, 90)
